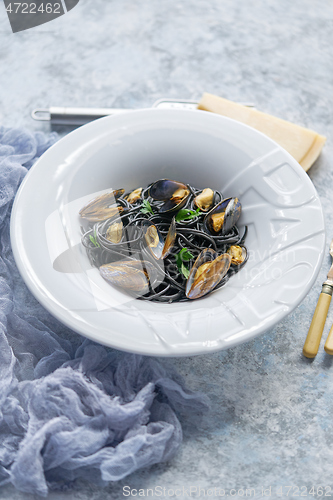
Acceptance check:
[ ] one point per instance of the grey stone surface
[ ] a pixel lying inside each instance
(271, 417)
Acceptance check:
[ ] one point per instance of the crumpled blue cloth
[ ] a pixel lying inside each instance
(70, 408)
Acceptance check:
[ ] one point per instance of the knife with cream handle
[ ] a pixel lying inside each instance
(313, 338)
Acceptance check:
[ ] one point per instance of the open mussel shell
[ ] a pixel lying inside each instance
(174, 193)
(223, 216)
(206, 273)
(206, 256)
(238, 254)
(170, 239)
(155, 241)
(205, 199)
(130, 275)
(103, 207)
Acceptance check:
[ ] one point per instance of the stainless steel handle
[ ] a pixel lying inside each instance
(73, 116)
(80, 116)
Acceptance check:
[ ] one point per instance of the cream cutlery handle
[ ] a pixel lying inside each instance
(313, 338)
(329, 342)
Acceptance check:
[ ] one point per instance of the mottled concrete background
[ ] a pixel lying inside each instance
(270, 423)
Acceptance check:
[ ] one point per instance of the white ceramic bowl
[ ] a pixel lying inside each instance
(281, 208)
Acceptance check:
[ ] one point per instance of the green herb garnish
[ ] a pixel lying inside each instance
(93, 239)
(183, 256)
(186, 214)
(185, 271)
(146, 208)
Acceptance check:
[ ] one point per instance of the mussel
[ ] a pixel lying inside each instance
(130, 275)
(223, 216)
(114, 232)
(155, 241)
(170, 239)
(103, 207)
(205, 199)
(206, 273)
(174, 193)
(238, 254)
(134, 196)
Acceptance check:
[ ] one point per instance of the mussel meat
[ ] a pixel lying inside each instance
(238, 254)
(204, 200)
(155, 241)
(174, 193)
(206, 273)
(130, 275)
(223, 216)
(114, 232)
(134, 196)
(103, 207)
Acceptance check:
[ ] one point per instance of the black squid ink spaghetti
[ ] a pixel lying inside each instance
(164, 243)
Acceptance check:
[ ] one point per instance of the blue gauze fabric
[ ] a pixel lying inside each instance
(70, 408)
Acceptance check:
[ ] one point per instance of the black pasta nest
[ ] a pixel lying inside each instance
(192, 236)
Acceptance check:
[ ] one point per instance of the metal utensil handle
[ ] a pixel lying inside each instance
(80, 116)
(73, 116)
(315, 332)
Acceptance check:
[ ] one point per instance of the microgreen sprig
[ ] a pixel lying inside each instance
(146, 207)
(186, 214)
(183, 256)
(93, 239)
